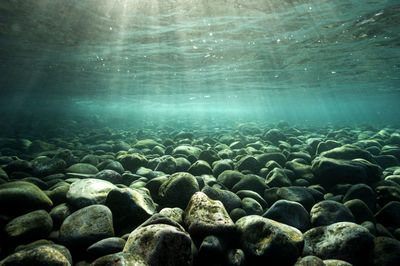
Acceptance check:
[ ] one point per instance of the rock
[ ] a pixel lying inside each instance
(301, 195)
(120, 259)
(221, 166)
(146, 144)
(211, 251)
(59, 213)
(250, 182)
(82, 168)
(254, 195)
(204, 216)
(90, 159)
(154, 185)
(40, 255)
(329, 172)
(88, 191)
(106, 246)
(44, 166)
(209, 156)
(25, 197)
(186, 151)
(329, 212)
(235, 257)
(229, 178)
(347, 152)
(360, 211)
(274, 136)
(175, 214)
(86, 226)
(200, 168)
(263, 240)
(110, 176)
(30, 226)
(229, 199)
(277, 178)
(167, 164)
(301, 171)
(111, 165)
(251, 206)
(58, 194)
(336, 263)
(362, 192)
(159, 242)
(130, 208)
(290, 213)
(386, 194)
(386, 251)
(278, 157)
(133, 161)
(237, 213)
(250, 163)
(344, 241)
(389, 215)
(310, 261)
(178, 189)
(18, 166)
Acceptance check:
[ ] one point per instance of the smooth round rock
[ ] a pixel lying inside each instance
(89, 191)
(329, 212)
(264, 240)
(228, 198)
(290, 213)
(82, 168)
(344, 241)
(25, 197)
(30, 226)
(177, 190)
(87, 226)
(106, 246)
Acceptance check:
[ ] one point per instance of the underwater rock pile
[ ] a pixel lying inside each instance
(241, 195)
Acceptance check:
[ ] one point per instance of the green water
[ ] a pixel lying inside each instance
(301, 61)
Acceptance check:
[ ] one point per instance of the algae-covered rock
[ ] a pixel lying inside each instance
(24, 196)
(204, 216)
(30, 226)
(130, 207)
(87, 226)
(264, 240)
(178, 189)
(82, 168)
(344, 241)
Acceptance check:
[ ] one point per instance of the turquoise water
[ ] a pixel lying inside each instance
(301, 61)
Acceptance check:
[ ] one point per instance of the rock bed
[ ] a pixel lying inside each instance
(244, 195)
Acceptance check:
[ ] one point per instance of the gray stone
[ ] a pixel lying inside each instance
(41, 255)
(106, 246)
(30, 226)
(87, 226)
(204, 216)
(44, 166)
(344, 241)
(264, 240)
(25, 197)
(130, 207)
(329, 212)
(178, 189)
(110, 176)
(290, 213)
(228, 198)
(82, 168)
(159, 242)
(88, 191)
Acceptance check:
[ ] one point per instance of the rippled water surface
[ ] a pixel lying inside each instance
(274, 56)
